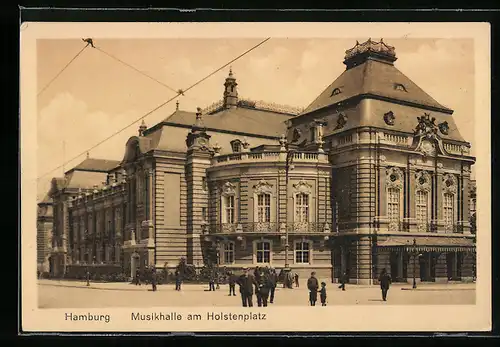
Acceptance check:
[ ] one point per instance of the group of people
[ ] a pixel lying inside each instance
(263, 281)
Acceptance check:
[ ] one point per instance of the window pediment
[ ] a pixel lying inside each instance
(394, 178)
(228, 189)
(263, 187)
(423, 181)
(302, 186)
(449, 183)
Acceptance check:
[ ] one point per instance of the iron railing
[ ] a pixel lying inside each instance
(268, 227)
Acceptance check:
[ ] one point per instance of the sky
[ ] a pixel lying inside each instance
(97, 95)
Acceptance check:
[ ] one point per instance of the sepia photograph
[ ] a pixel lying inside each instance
(247, 173)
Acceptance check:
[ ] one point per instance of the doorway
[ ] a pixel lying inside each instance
(427, 262)
(134, 263)
(454, 266)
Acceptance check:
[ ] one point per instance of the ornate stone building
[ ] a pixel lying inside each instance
(44, 234)
(373, 174)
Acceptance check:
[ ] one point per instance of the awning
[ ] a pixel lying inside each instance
(429, 244)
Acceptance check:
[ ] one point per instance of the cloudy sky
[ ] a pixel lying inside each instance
(96, 95)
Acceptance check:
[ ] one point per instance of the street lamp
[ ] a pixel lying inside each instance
(415, 254)
(288, 166)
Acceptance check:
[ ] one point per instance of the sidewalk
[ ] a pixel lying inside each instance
(126, 286)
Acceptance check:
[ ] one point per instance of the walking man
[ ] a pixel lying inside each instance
(296, 278)
(343, 280)
(273, 281)
(313, 285)
(232, 283)
(246, 283)
(385, 282)
(153, 279)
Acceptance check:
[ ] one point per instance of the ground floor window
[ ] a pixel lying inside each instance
(263, 252)
(228, 253)
(302, 252)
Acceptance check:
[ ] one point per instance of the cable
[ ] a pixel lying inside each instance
(60, 72)
(135, 69)
(157, 107)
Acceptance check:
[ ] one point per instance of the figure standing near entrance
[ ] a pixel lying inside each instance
(273, 279)
(385, 282)
(343, 280)
(178, 280)
(246, 283)
(312, 285)
(153, 279)
(296, 278)
(232, 283)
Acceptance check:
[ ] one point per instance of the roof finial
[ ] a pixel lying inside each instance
(230, 71)
(142, 128)
(87, 155)
(177, 105)
(199, 120)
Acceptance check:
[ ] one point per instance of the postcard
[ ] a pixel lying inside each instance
(292, 177)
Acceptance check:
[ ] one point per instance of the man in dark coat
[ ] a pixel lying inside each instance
(232, 283)
(246, 283)
(273, 280)
(178, 280)
(264, 287)
(385, 282)
(313, 285)
(343, 280)
(153, 279)
(211, 281)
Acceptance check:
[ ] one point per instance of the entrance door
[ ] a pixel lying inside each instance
(395, 266)
(450, 260)
(134, 263)
(423, 262)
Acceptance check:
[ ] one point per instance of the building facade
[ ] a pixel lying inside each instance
(373, 174)
(44, 234)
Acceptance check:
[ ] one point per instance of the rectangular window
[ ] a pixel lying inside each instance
(228, 256)
(204, 213)
(421, 209)
(393, 207)
(448, 210)
(264, 208)
(229, 209)
(204, 183)
(302, 252)
(302, 208)
(263, 252)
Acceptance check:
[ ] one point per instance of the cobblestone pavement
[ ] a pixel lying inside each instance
(72, 294)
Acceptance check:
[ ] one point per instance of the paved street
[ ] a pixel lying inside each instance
(62, 294)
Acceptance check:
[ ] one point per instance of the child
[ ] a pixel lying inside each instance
(322, 294)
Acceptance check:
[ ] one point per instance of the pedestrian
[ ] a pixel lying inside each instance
(246, 282)
(343, 280)
(256, 273)
(296, 278)
(137, 277)
(322, 294)
(258, 281)
(153, 279)
(385, 282)
(178, 280)
(312, 285)
(273, 279)
(211, 281)
(88, 278)
(232, 283)
(264, 288)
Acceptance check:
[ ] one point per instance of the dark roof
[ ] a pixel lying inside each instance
(92, 164)
(240, 119)
(375, 78)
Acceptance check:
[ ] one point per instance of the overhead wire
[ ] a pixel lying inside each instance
(180, 92)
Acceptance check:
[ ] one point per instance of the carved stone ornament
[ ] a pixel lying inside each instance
(426, 126)
(394, 178)
(389, 118)
(444, 128)
(427, 147)
(296, 135)
(228, 189)
(382, 158)
(341, 121)
(423, 181)
(263, 187)
(302, 187)
(449, 184)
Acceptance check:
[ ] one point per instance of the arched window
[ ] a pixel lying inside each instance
(229, 209)
(393, 205)
(263, 208)
(302, 252)
(228, 253)
(448, 211)
(236, 146)
(394, 182)
(302, 208)
(262, 252)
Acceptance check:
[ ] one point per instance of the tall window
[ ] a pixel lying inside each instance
(228, 254)
(302, 252)
(448, 210)
(302, 208)
(229, 209)
(313, 134)
(393, 205)
(264, 208)
(263, 252)
(236, 146)
(421, 209)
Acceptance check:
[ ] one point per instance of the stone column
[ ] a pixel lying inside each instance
(465, 202)
(439, 203)
(411, 213)
(364, 260)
